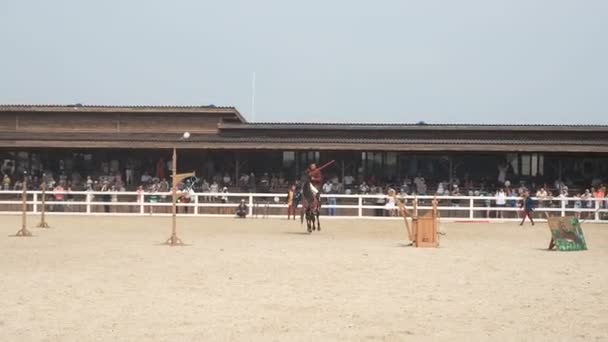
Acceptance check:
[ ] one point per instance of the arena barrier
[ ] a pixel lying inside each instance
(262, 205)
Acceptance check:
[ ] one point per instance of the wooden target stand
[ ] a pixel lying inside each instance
(24, 232)
(174, 240)
(424, 231)
(43, 223)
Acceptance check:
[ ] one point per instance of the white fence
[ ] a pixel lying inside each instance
(473, 208)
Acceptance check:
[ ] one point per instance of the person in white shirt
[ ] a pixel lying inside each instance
(348, 181)
(226, 179)
(542, 197)
(214, 188)
(501, 201)
(440, 189)
(327, 187)
(146, 178)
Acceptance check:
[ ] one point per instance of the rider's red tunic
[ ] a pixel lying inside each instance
(316, 178)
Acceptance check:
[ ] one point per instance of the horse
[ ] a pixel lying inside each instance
(310, 208)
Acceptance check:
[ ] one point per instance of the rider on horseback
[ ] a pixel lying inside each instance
(316, 180)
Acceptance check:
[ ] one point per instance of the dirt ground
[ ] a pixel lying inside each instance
(108, 279)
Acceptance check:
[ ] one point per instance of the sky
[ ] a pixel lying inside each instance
(466, 61)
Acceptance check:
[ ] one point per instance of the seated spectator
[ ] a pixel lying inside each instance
(224, 198)
(145, 178)
(363, 188)
(241, 210)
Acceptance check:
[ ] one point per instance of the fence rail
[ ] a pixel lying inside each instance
(274, 205)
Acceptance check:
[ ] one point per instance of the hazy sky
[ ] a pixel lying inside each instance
(479, 61)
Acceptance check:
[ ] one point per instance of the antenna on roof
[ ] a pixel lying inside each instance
(253, 98)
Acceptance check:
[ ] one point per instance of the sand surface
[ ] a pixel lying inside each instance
(108, 279)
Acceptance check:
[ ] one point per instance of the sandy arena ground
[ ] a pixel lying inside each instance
(107, 279)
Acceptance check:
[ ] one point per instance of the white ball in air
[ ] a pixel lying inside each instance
(186, 135)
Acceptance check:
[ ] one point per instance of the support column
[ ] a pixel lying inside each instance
(237, 167)
(450, 169)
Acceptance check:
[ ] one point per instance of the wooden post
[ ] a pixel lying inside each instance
(174, 240)
(43, 223)
(23, 231)
(177, 178)
(404, 212)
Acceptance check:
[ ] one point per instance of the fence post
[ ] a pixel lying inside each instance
(141, 197)
(563, 204)
(597, 208)
(35, 206)
(250, 205)
(471, 203)
(196, 204)
(360, 209)
(88, 203)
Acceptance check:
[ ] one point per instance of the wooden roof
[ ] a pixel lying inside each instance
(139, 127)
(80, 108)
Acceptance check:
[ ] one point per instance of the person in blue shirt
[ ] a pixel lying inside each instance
(527, 205)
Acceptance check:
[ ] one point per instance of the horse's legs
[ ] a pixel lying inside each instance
(308, 225)
(318, 221)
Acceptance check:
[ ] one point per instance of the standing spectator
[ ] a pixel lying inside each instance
(226, 180)
(114, 197)
(542, 197)
(588, 201)
(405, 187)
(348, 181)
(501, 202)
(440, 189)
(129, 173)
(265, 183)
(456, 192)
(421, 188)
(106, 197)
(6, 183)
(291, 205)
(252, 183)
(380, 201)
(244, 181)
(140, 194)
(328, 189)
(59, 196)
(89, 182)
(205, 188)
(528, 207)
(214, 189)
(69, 197)
(161, 170)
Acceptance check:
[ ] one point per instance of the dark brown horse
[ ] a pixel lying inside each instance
(310, 208)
